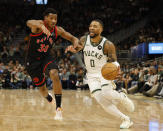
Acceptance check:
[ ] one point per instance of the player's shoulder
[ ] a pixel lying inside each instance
(108, 42)
(59, 29)
(83, 38)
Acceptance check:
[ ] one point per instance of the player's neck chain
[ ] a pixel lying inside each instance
(94, 43)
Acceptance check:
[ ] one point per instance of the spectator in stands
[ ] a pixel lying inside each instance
(134, 77)
(7, 78)
(152, 80)
(72, 79)
(28, 80)
(5, 53)
(64, 78)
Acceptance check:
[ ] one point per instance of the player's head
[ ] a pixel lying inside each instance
(50, 17)
(95, 28)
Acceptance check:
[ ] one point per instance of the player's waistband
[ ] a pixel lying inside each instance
(94, 72)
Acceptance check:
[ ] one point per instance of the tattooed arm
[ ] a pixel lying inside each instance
(109, 50)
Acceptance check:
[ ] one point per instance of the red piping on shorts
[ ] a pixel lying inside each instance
(47, 65)
(41, 82)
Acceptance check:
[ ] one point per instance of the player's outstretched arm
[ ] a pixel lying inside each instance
(37, 26)
(78, 48)
(66, 35)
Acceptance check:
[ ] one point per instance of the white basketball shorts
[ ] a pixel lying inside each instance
(96, 82)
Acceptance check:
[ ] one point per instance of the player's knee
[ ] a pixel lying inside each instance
(110, 94)
(107, 93)
(98, 96)
(43, 90)
(101, 99)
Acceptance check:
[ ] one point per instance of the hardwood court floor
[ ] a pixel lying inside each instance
(26, 110)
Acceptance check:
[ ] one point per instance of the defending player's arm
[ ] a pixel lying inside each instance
(109, 50)
(37, 26)
(66, 35)
(79, 47)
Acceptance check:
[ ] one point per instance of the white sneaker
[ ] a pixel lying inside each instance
(58, 115)
(127, 123)
(127, 103)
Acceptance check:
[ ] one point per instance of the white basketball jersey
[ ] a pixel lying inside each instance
(94, 57)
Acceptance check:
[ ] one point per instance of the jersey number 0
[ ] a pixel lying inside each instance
(92, 63)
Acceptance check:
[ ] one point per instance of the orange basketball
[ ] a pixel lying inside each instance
(109, 71)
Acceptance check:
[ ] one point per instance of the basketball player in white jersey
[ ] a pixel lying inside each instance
(97, 52)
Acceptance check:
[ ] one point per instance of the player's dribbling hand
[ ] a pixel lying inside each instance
(45, 30)
(71, 49)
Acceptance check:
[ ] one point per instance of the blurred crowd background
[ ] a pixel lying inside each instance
(127, 23)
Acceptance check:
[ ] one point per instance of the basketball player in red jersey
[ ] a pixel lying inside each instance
(43, 35)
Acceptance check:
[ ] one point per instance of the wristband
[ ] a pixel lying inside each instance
(116, 63)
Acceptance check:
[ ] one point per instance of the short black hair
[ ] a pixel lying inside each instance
(99, 21)
(48, 11)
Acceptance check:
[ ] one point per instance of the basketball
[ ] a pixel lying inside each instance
(109, 71)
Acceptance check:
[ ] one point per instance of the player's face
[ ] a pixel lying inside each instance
(51, 20)
(95, 29)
